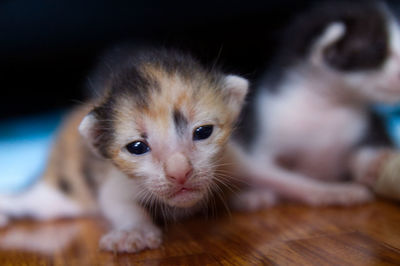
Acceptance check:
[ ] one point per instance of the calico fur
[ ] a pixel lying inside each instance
(157, 97)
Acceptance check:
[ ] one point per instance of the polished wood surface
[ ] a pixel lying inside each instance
(283, 235)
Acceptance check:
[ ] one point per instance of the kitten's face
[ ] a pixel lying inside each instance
(364, 62)
(381, 84)
(171, 145)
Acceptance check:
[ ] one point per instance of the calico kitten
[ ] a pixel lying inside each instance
(312, 109)
(154, 138)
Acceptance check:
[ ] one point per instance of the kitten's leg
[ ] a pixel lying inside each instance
(132, 227)
(296, 186)
(301, 188)
(254, 199)
(40, 202)
(366, 164)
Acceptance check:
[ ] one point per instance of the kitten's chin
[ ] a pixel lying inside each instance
(185, 198)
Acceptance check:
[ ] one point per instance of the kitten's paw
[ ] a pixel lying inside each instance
(251, 200)
(131, 241)
(340, 194)
(366, 167)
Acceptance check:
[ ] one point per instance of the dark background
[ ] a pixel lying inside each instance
(47, 48)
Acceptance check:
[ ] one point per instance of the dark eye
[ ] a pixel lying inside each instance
(137, 147)
(202, 132)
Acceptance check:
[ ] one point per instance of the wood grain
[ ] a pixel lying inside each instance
(283, 235)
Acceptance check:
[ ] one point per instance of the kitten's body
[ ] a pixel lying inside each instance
(313, 113)
(150, 145)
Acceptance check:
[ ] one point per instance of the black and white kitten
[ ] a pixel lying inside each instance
(312, 108)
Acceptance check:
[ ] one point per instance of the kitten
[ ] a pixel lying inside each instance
(312, 111)
(154, 138)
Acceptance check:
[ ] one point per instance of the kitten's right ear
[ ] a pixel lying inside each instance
(91, 132)
(87, 125)
(332, 33)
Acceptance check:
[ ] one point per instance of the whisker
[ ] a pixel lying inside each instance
(219, 192)
(232, 188)
(212, 201)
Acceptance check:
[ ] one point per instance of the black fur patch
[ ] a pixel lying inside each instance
(64, 185)
(180, 122)
(247, 127)
(364, 45)
(376, 134)
(121, 71)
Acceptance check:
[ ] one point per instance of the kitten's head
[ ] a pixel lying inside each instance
(356, 44)
(164, 122)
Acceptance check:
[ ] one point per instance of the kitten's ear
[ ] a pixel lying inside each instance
(332, 33)
(235, 91)
(91, 132)
(236, 88)
(88, 126)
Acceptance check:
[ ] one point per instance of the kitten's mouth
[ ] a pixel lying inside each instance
(182, 191)
(184, 196)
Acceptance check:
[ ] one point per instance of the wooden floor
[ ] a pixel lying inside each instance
(284, 235)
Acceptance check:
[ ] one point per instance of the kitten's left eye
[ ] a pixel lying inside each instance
(202, 132)
(137, 147)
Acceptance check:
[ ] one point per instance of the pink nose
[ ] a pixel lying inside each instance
(178, 168)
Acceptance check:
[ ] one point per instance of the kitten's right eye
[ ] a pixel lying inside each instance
(138, 147)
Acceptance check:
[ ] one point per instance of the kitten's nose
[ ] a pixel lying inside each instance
(178, 168)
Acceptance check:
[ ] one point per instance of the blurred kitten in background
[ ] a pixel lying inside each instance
(316, 139)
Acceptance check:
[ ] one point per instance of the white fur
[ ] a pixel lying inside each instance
(264, 173)
(133, 229)
(40, 202)
(317, 130)
(309, 125)
(117, 199)
(45, 239)
(315, 120)
(251, 200)
(296, 186)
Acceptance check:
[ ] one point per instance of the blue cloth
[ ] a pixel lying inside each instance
(391, 118)
(24, 148)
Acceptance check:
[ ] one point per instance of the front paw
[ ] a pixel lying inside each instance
(131, 241)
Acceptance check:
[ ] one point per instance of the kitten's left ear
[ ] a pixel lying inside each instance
(235, 88)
